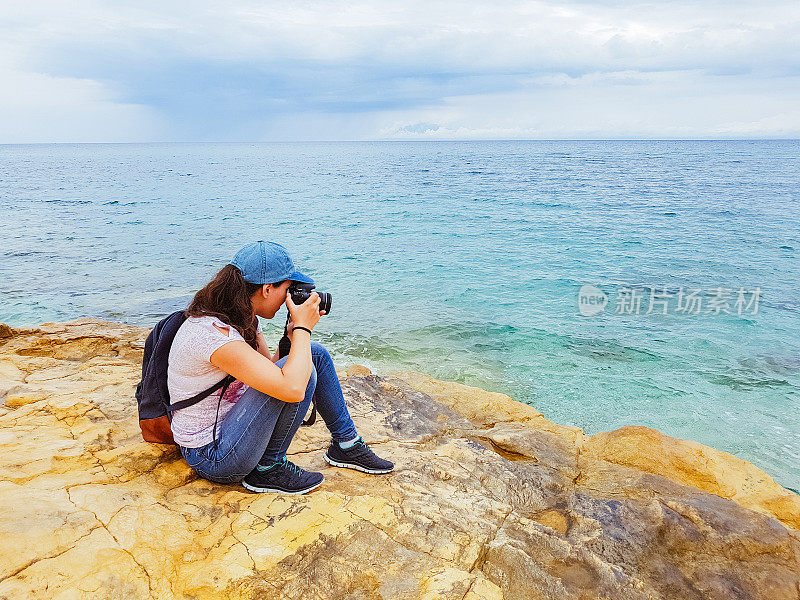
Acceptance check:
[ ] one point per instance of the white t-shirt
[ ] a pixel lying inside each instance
(189, 372)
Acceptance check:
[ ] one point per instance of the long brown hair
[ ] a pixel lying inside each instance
(227, 297)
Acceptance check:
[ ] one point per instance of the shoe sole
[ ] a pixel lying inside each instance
(262, 490)
(336, 463)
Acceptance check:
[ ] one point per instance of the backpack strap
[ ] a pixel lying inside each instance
(195, 399)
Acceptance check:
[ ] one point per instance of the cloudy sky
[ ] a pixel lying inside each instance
(468, 69)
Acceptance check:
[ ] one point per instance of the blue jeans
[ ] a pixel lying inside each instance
(262, 427)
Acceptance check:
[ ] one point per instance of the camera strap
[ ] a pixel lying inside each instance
(284, 345)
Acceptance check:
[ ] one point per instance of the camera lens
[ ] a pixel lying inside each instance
(325, 302)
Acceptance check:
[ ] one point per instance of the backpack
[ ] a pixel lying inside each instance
(152, 395)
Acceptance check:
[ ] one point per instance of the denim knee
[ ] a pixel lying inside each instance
(317, 348)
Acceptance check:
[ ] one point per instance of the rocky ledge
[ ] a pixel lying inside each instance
(489, 499)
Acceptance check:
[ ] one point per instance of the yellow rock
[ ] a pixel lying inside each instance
(488, 499)
(357, 371)
(645, 449)
(692, 463)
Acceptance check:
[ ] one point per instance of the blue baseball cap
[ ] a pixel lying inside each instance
(267, 262)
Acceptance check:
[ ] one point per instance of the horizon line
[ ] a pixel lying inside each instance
(722, 139)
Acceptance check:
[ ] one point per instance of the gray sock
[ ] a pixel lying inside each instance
(348, 443)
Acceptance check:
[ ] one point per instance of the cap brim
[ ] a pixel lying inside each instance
(301, 277)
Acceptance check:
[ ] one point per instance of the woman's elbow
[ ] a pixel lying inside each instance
(299, 394)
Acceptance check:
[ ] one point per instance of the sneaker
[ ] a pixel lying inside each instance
(285, 477)
(358, 456)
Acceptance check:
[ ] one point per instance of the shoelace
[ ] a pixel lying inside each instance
(359, 448)
(292, 467)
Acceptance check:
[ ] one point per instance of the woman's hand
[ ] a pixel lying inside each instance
(290, 323)
(306, 314)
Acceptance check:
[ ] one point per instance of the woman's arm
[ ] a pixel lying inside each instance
(262, 347)
(255, 369)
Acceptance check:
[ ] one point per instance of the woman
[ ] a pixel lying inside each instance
(261, 411)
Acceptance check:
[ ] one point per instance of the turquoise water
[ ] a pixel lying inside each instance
(462, 260)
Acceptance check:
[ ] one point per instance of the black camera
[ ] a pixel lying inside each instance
(301, 291)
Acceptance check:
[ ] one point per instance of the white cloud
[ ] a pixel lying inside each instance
(176, 70)
(36, 107)
(680, 104)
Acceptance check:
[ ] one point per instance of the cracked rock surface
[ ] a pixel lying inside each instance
(488, 499)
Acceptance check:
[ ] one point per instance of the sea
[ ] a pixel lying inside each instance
(605, 283)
